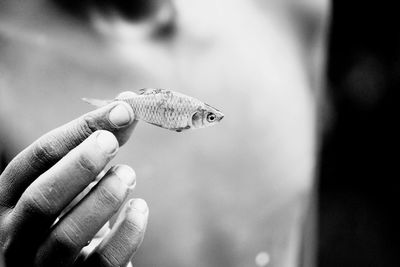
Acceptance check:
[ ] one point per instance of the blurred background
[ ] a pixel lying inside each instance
(359, 170)
(295, 92)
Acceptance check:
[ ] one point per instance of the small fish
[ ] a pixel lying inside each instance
(168, 109)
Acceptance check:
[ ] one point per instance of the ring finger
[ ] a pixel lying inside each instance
(80, 225)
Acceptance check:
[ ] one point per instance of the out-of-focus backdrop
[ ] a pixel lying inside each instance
(237, 194)
(359, 172)
(240, 193)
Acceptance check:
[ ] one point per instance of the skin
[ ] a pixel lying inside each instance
(58, 172)
(219, 196)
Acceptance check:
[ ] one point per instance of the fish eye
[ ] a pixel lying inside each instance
(211, 117)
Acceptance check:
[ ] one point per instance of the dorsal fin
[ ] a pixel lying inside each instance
(149, 91)
(97, 102)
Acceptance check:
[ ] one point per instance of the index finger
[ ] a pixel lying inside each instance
(116, 117)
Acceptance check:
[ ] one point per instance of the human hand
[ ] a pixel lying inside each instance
(55, 172)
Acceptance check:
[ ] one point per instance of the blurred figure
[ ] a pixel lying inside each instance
(237, 194)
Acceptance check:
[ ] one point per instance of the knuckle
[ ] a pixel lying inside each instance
(110, 260)
(109, 197)
(45, 152)
(88, 125)
(87, 164)
(67, 237)
(39, 203)
(134, 228)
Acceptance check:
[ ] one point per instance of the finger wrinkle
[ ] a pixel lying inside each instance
(109, 199)
(45, 153)
(130, 225)
(69, 236)
(90, 123)
(122, 246)
(110, 259)
(86, 164)
(37, 203)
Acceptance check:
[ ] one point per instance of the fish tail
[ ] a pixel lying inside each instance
(97, 102)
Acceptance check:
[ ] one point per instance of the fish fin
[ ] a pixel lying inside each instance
(149, 91)
(156, 124)
(181, 129)
(125, 95)
(97, 102)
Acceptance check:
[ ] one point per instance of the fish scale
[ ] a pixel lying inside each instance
(168, 109)
(164, 109)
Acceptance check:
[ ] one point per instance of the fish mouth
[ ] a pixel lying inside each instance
(221, 116)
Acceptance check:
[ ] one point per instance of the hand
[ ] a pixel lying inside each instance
(55, 172)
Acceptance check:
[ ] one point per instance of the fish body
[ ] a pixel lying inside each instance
(168, 109)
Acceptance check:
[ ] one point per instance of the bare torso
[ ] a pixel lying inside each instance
(242, 187)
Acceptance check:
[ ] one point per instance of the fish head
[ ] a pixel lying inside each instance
(205, 116)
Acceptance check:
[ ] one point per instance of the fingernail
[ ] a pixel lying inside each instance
(121, 115)
(107, 141)
(137, 213)
(126, 174)
(139, 205)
